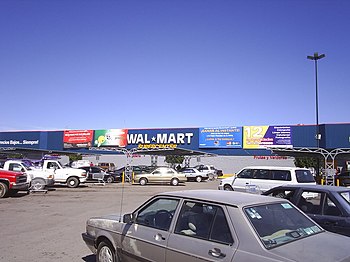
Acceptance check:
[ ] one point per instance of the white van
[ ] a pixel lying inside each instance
(80, 163)
(258, 179)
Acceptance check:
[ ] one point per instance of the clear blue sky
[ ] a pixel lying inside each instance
(83, 64)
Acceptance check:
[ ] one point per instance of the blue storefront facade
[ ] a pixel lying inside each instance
(227, 140)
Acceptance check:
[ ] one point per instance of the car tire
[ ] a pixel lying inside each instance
(228, 188)
(72, 182)
(211, 176)
(38, 184)
(105, 252)
(174, 182)
(110, 179)
(198, 179)
(143, 181)
(3, 190)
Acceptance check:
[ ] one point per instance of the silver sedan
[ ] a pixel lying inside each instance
(212, 225)
(161, 175)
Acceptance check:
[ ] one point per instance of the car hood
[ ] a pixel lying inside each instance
(105, 222)
(324, 246)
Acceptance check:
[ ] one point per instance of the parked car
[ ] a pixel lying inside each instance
(344, 178)
(80, 163)
(212, 225)
(107, 166)
(193, 174)
(160, 175)
(258, 179)
(117, 176)
(329, 206)
(97, 174)
(134, 169)
(38, 178)
(11, 182)
(212, 172)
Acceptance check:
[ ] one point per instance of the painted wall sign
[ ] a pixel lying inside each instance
(255, 137)
(220, 137)
(77, 138)
(20, 139)
(111, 137)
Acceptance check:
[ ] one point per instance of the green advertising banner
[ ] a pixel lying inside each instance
(111, 137)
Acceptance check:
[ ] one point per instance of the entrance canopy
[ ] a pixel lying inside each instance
(154, 151)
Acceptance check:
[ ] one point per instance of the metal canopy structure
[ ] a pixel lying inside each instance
(329, 157)
(154, 153)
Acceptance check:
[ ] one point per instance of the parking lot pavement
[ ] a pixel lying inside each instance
(47, 227)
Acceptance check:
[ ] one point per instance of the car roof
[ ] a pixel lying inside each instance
(314, 187)
(237, 199)
(276, 167)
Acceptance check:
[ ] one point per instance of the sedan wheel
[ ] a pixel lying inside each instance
(105, 253)
(110, 179)
(199, 179)
(174, 182)
(143, 181)
(228, 188)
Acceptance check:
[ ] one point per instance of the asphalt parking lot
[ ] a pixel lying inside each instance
(47, 227)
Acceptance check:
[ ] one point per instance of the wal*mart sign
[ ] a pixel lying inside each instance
(162, 138)
(255, 137)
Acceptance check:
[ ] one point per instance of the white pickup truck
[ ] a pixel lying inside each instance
(72, 177)
(36, 177)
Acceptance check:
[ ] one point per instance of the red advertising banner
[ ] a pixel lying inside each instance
(77, 138)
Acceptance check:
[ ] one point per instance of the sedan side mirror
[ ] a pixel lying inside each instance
(128, 218)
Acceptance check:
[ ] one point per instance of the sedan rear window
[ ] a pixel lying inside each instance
(280, 223)
(346, 196)
(208, 222)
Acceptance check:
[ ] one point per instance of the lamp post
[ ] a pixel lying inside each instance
(315, 58)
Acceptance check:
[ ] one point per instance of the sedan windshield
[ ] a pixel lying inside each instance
(280, 223)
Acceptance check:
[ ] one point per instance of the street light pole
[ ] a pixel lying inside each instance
(315, 58)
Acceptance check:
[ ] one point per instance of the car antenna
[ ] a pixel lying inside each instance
(122, 197)
(121, 200)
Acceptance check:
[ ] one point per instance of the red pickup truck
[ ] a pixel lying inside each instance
(12, 182)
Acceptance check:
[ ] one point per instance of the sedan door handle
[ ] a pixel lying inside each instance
(159, 237)
(216, 252)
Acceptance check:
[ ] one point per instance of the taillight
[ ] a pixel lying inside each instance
(83, 174)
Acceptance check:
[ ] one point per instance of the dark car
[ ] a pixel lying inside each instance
(116, 175)
(329, 206)
(344, 178)
(97, 174)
